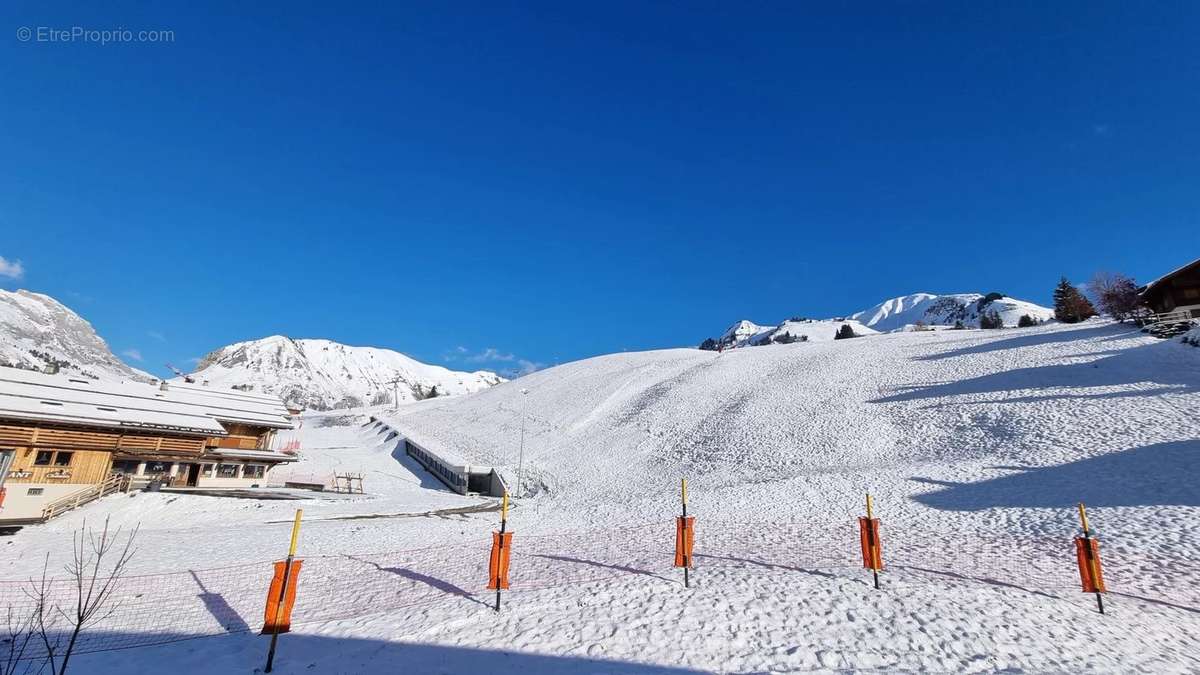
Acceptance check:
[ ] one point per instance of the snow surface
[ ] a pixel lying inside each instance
(1192, 337)
(975, 444)
(322, 374)
(36, 330)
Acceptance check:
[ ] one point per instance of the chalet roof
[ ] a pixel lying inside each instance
(1150, 286)
(187, 409)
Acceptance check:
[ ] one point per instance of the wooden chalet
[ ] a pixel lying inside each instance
(1177, 293)
(66, 439)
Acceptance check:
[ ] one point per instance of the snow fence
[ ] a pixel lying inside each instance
(161, 608)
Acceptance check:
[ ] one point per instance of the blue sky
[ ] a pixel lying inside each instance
(554, 182)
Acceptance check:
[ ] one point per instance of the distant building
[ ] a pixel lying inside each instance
(66, 439)
(1177, 293)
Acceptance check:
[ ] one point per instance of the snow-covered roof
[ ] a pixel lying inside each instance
(1168, 275)
(65, 399)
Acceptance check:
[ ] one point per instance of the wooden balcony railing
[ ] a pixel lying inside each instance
(235, 442)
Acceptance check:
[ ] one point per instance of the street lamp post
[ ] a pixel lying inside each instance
(521, 456)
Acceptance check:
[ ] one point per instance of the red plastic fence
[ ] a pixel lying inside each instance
(159, 608)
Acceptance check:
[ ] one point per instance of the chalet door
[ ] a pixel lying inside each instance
(193, 474)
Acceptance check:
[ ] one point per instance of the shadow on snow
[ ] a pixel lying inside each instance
(307, 654)
(1152, 475)
(1035, 339)
(1163, 364)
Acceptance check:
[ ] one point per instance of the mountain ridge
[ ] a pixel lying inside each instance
(37, 332)
(903, 312)
(321, 374)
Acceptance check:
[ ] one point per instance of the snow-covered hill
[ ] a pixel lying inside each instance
(37, 331)
(322, 375)
(976, 445)
(890, 315)
(945, 310)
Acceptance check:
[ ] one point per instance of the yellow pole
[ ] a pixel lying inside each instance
(686, 563)
(873, 549)
(503, 524)
(1091, 560)
(295, 532)
(283, 587)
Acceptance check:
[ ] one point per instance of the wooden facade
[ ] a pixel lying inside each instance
(66, 455)
(1179, 290)
(64, 467)
(243, 437)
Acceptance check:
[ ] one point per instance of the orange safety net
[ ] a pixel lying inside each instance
(1087, 553)
(278, 619)
(868, 534)
(685, 532)
(498, 563)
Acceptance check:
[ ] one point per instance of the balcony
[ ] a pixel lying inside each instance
(233, 442)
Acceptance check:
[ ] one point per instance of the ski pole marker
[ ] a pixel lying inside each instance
(868, 535)
(282, 594)
(499, 557)
(1087, 556)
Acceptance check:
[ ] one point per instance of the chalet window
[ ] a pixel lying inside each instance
(1190, 293)
(33, 492)
(43, 458)
(125, 466)
(227, 470)
(157, 467)
(253, 471)
(63, 458)
(206, 470)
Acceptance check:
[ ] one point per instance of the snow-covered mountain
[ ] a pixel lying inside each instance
(322, 375)
(37, 331)
(945, 310)
(891, 315)
(747, 333)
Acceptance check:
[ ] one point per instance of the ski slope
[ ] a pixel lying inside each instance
(976, 445)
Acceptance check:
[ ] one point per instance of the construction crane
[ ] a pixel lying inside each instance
(186, 378)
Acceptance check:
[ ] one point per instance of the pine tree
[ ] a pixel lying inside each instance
(1069, 304)
(991, 320)
(844, 332)
(1026, 321)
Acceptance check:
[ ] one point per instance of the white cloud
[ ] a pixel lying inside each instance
(491, 354)
(455, 354)
(134, 354)
(518, 367)
(156, 335)
(13, 269)
(525, 367)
